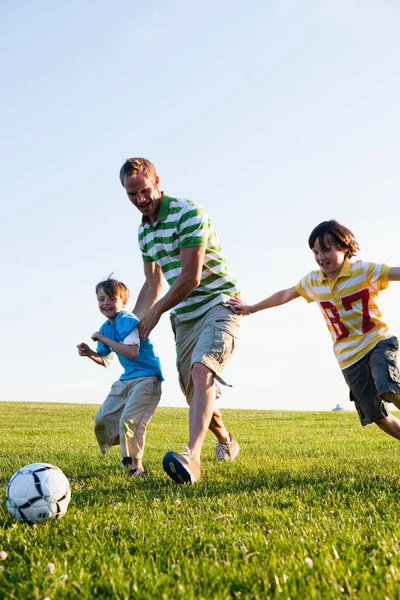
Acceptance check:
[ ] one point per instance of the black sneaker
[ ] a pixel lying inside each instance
(125, 462)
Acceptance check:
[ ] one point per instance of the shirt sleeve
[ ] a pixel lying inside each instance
(126, 324)
(107, 360)
(378, 276)
(132, 338)
(102, 349)
(304, 288)
(193, 227)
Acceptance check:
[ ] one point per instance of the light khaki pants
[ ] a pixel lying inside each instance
(125, 413)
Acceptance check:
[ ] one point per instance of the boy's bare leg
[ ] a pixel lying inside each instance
(393, 398)
(390, 425)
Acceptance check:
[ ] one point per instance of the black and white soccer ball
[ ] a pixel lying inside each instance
(37, 493)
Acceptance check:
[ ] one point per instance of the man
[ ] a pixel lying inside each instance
(177, 240)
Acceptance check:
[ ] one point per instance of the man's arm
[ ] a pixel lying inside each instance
(394, 274)
(127, 350)
(151, 289)
(192, 260)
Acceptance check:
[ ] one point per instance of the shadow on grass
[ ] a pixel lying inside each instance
(315, 483)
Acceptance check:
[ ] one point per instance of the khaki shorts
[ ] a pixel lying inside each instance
(124, 415)
(209, 340)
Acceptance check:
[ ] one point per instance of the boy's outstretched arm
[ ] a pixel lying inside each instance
(281, 297)
(394, 274)
(85, 350)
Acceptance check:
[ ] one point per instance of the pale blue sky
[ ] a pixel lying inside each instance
(273, 115)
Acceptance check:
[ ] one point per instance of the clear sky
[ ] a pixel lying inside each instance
(272, 114)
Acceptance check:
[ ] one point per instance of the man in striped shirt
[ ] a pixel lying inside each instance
(346, 293)
(178, 241)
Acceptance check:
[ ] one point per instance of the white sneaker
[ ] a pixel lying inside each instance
(227, 452)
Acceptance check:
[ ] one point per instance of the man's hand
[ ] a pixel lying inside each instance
(149, 321)
(239, 307)
(84, 350)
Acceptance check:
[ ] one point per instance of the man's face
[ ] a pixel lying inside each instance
(144, 194)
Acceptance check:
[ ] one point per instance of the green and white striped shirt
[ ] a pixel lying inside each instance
(184, 224)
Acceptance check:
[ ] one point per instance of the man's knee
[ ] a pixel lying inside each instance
(202, 375)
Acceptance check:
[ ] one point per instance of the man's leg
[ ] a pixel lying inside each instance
(202, 397)
(184, 466)
(218, 428)
(202, 350)
(202, 413)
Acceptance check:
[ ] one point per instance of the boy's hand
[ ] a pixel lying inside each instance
(239, 307)
(84, 350)
(97, 337)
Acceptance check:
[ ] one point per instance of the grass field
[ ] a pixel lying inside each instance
(310, 509)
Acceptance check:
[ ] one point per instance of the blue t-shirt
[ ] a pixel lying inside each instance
(147, 364)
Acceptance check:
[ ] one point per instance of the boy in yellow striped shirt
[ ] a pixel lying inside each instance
(346, 293)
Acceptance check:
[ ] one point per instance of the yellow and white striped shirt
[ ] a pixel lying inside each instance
(349, 307)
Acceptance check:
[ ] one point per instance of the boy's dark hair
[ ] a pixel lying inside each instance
(133, 166)
(113, 288)
(333, 231)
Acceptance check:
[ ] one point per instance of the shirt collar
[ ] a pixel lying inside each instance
(162, 212)
(345, 271)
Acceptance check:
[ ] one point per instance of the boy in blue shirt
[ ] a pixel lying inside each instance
(128, 408)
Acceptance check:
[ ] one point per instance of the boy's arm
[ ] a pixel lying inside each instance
(394, 274)
(281, 297)
(85, 350)
(127, 350)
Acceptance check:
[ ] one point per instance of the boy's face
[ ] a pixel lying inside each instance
(110, 306)
(144, 194)
(329, 258)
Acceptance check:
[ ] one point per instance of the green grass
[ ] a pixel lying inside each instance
(310, 509)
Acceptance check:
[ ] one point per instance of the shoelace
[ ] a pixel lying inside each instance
(186, 451)
(222, 450)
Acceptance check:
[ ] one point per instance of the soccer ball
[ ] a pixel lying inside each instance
(38, 492)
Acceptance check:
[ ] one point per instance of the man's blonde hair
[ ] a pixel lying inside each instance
(133, 166)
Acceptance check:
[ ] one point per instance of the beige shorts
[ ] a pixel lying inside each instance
(209, 340)
(125, 413)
